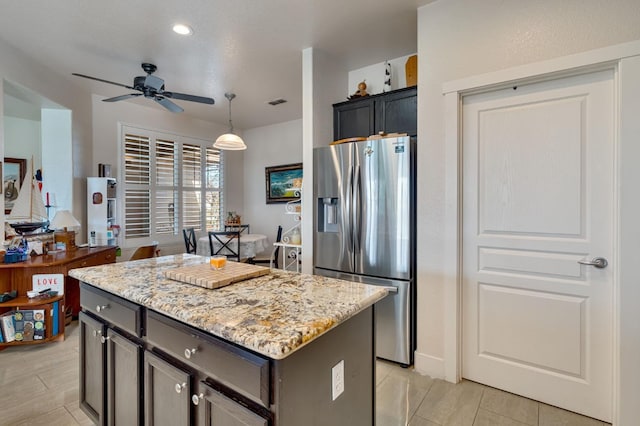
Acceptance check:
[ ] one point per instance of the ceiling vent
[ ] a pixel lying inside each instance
(277, 101)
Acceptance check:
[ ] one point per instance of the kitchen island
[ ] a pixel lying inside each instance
(283, 349)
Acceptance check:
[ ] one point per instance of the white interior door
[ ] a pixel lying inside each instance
(538, 166)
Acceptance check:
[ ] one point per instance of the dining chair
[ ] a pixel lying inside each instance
(239, 228)
(276, 252)
(226, 243)
(190, 241)
(146, 252)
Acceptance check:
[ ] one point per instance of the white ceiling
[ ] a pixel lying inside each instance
(250, 47)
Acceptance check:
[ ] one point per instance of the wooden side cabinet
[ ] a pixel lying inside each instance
(19, 276)
(53, 311)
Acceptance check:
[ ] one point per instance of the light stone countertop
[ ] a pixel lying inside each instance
(272, 315)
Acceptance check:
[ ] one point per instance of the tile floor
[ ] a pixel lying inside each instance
(404, 397)
(39, 386)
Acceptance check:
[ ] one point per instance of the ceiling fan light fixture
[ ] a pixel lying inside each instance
(230, 141)
(183, 29)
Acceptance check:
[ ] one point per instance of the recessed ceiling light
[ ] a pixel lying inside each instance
(182, 29)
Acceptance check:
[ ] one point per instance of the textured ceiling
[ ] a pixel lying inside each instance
(249, 47)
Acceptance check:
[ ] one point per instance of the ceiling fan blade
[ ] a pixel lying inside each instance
(121, 97)
(168, 104)
(192, 98)
(103, 81)
(154, 82)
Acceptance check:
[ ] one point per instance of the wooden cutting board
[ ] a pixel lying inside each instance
(347, 140)
(206, 277)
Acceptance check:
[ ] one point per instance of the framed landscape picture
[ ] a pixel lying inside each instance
(12, 177)
(283, 183)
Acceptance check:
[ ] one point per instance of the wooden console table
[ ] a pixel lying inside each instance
(17, 276)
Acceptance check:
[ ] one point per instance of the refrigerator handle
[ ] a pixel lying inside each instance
(357, 213)
(348, 232)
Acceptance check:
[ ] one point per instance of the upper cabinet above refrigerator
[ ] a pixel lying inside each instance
(390, 112)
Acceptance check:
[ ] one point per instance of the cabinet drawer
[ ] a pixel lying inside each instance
(94, 260)
(215, 408)
(240, 370)
(113, 309)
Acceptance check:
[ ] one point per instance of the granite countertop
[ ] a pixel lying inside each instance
(273, 315)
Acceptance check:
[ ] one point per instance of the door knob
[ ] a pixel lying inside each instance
(598, 262)
(195, 399)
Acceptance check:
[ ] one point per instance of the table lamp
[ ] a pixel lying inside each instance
(63, 220)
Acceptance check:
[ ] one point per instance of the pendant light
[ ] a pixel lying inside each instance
(230, 141)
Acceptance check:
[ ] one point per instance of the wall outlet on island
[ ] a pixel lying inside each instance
(337, 380)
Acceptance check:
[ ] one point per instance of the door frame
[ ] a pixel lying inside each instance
(624, 60)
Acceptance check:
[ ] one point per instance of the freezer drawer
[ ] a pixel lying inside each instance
(394, 330)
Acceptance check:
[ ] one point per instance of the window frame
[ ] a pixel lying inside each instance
(179, 141)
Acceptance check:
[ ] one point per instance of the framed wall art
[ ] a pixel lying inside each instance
(283, 183)
(12, 177)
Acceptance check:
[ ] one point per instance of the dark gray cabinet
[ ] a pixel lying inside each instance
(176, 374)
(353, 119)
(214, 408)
(167, 393)
(109, 374)
(391, 112)
(92, 368)
(397, 112)
(124, 405)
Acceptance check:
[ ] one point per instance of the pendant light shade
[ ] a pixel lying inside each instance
(230, 141)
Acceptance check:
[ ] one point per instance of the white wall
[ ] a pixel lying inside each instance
(17, 68)
(461, 38)
(22, 139)
(322, 81)
(56, 150)
(374, 76)
(268, 146)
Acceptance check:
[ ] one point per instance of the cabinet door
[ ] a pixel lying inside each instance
(167, 393)
(216, 409)
(397, 112)
(92, 368)
(353, 119)
(124, 390)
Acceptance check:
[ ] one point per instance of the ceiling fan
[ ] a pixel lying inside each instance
(152, 87)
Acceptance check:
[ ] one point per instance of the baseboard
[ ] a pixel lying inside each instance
(430, 365)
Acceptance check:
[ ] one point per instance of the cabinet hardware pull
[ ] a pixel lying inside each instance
(104, 339)
(188, 352)
(96, 333)
(102, 308)
(180, 386)
(197, 398)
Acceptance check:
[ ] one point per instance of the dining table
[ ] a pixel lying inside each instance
(250, 245)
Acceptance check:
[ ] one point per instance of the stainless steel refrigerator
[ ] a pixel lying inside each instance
(364, 230)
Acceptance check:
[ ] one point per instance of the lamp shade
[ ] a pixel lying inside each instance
(63, 219)
(230, 141)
